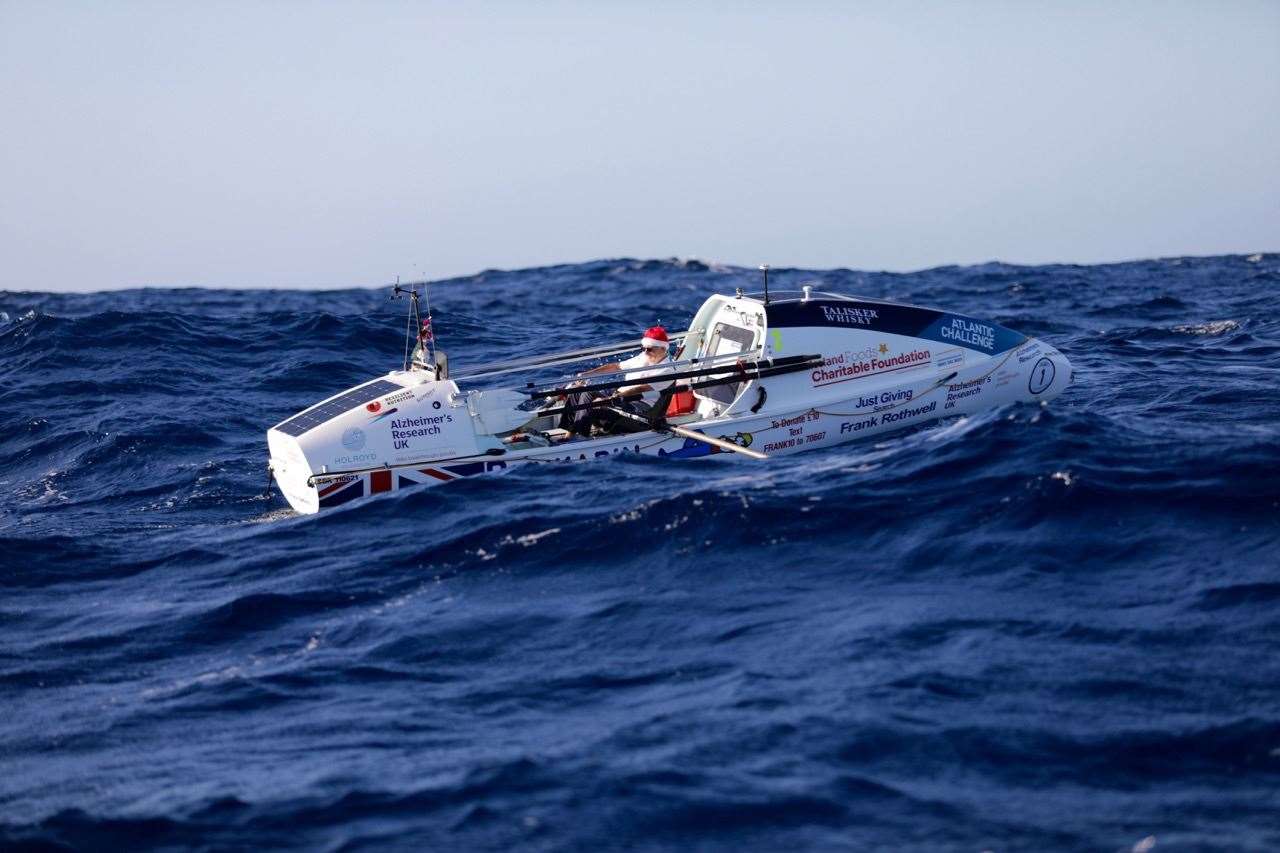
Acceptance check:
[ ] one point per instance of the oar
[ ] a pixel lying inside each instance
(741, 372)
(696, 436)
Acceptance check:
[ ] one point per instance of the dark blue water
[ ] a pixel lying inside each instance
(1041, 628)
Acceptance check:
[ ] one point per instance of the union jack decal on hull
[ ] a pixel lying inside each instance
(445, 473)
(336, 494)
(350, 488)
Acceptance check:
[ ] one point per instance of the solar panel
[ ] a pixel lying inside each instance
(327, 411)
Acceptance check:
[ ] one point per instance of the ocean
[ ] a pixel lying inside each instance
(1042, 628)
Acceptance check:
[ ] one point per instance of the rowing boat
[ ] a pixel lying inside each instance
(753, 375)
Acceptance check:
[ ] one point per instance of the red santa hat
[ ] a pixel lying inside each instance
(655, 337)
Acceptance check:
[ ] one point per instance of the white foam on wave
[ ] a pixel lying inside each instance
(532, 538)
(172, 688)
(271, 515)
(45, 490)
(958, 427)
(1211, 327)
(21, 320)
(633, 514)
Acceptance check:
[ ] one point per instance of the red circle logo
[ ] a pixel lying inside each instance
(374, 406)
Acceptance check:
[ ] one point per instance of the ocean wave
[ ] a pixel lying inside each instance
(1212, 327)
(1043, 626)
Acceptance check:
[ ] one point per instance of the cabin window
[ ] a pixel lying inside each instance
(726, 340)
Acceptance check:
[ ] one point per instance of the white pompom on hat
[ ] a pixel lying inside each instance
(655, 337)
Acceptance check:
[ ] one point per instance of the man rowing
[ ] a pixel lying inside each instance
(636, 398)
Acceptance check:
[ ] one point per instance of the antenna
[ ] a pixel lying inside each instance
(428, 328)
(407, 321)
(764, 268)
(410, 318)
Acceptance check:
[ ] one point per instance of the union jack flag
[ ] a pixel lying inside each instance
(424, 334)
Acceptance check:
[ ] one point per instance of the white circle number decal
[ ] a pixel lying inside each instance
(1041, 376)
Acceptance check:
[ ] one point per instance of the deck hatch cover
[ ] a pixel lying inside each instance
(325, 412)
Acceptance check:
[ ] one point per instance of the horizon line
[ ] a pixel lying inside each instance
(672, 259)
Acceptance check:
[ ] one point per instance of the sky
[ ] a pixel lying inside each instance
(290, 144)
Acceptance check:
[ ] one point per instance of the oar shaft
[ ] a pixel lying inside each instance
(739, 371)
(605, 402)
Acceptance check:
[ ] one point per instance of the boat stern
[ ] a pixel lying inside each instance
(291, 472)
(346, 446)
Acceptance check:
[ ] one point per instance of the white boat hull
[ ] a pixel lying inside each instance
(844, 400)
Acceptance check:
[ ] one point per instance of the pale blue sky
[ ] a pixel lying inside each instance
(320, 145)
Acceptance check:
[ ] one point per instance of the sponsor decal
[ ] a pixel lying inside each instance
(375, 406)
(970, 332)
(899, 395)
(398, 397)
(846, 366)
(405, 429)
(903, 414)
(795, 441)
(950, 358)
(969, 383)
(787, 422)
(388, 413)
(793, 426)
(1027, 353)
(847, 316)
(892, 416)
(614, 451)
(1041, 376)
(414, 456)
(859, 426)
(691, 449)
(353, 439)
(355, 458)
(961, 390)
(1004, 376)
